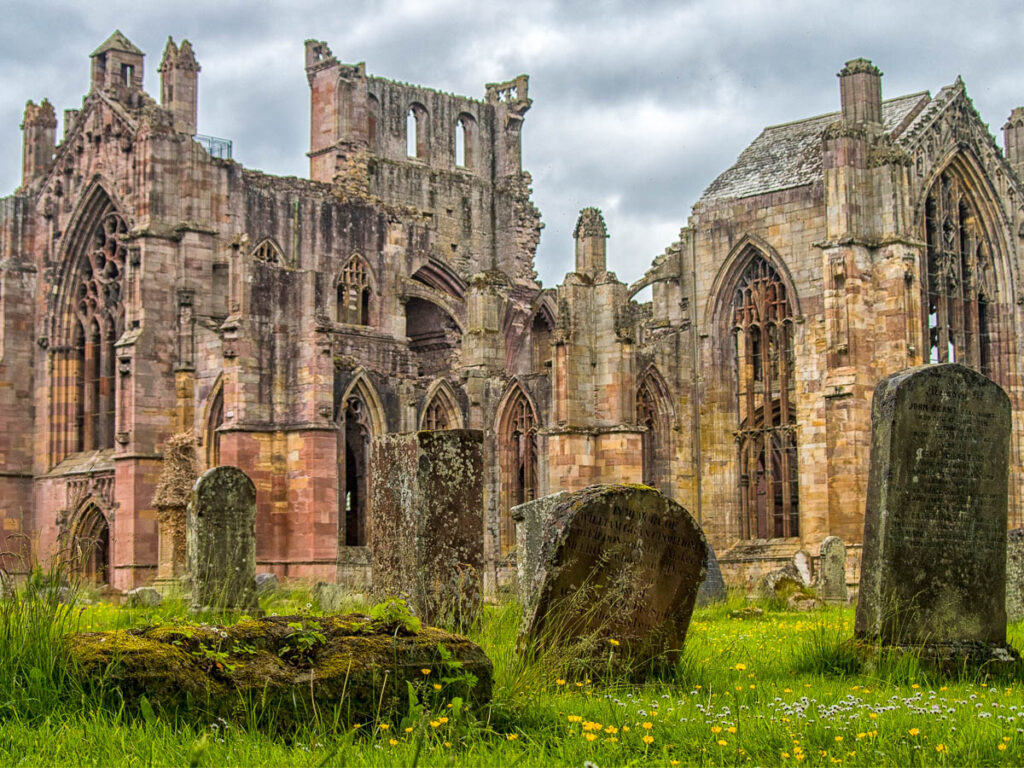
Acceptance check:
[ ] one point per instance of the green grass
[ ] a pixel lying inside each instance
(780, 689)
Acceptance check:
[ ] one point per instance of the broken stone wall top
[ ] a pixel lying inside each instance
(934, 559)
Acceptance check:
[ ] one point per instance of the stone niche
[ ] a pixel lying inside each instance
(618, 571)
(933, 572)
(427, 523)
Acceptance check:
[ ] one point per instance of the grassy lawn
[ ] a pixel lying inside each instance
(777, 689)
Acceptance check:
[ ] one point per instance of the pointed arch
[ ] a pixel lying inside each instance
(654, 411)
(967, 277)
(88, 318)
(542, 330)
(718, 312)
(441, 408)
(355, 289)
(267, 251)
(518, 452)
(213, 421)
(90, 542)
(417, 132)
(359, 416)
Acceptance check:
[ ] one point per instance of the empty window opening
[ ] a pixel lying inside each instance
(519, 470)
(353, 460)
(127, 73)
(411, 137)
(354, 293)
(460, 144)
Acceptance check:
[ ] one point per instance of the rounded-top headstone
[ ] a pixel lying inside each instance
(618, 562)
(832, 578)
(934, 561)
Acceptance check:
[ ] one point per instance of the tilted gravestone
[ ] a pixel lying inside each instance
(173, 491)
(532, 519)
(1015, 575)
(832, 579)
(221, 534)
(713, 589)
(802, 563)
(618, 563)
(933, 571)
(426, 522)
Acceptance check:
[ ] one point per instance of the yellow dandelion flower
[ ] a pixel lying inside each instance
(873, 715)
(409, 729)
(1006, 739)
(447, 743)
(424, 671)
(575, 719)
(740, 667)
(915, 686)
(611, 729)
(392, 742)
(437, 686)
(357, 726)
(590, 736)
(1002, 747)
(940, 747)
(613, 641)
(579, 685)
(512, 736)
(914, 731)
(648, 726)
(442, 720)
(384, 726)
(625, 729)
(731, 729)
(722, 743)
(785, 755)
(435, 723)
(714, 728)
(861, 735)
(787, 690)
(839, 738)
(648, 739)
(559, 681)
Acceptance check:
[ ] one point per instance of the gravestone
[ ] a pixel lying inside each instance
(1015, 575)
(802, 563)
(832, 579)
(617, 562)
(531, 520)
(173, 491)
(933, 572)
(221, 533)
(426, 523)
(712, 589)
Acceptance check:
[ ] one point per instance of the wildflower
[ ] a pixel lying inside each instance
(839, 738)
(575, 719)
(914, 731)
(611, 729)
(873, 715)
(648, 726)
(447, 743)
(512, 736)
(384, 726)
(424, 671)
(1006, 739)
(714, 728)
(625, 729)
(740, 667)
(392, 742)
(673, 762)
(861, 735)
(721, 742)
(590, 736)
(437, 686)
(940, 747)
(731, 729)
(442, 720)
(787, 690)
(357, 726)
(579, 684)
(435, 723)
(785, 755)
(1002, 747)
(409, 729)
(613, 641)
(648, 739)
(560, 681)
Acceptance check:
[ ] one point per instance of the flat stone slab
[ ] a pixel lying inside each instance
(934, 561)
(618, 562)
(353, 666)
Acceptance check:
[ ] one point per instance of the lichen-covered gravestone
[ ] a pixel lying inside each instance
(933, 573)
(618, 563)
(426, 522)
(532, 519)
(173, 491)
(221, 533)
(802, 563)
(1015, 575)
(833, 570)
(713, 589)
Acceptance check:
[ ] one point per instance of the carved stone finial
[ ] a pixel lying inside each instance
(187, 57)
(590, 224)
(42, 115)
(859, 66)
(170, 55)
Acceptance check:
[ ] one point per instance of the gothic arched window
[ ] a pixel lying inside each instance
(354, 455)
(958, 279)
(763, 328)
(354, 293)
(91, 545)
(651, 412)
(215, 421)
(517, 444)
(268, 252)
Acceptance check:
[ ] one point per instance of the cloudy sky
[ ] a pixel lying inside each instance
(637, 105)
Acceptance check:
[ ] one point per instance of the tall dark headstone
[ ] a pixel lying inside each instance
(221, 541)
(617, 562)
(426, 522)
(933, 572)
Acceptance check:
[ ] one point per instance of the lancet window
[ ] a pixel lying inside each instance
(651, 414)
(959, 279)
(353, 457)
(763, 328)
(519, 471)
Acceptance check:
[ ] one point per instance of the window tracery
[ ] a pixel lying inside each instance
(354, 293)
(268, 252)
(518, 447)
(763, 328)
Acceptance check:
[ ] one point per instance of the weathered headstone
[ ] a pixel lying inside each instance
(618, 562)
(802, 563)
(143, 597)
(532, 518)
(221, 532)
(173, 491)
(780, 583)
(832, 579)
(267, 583)
(712, 589)
(933, 569)
(1015, 575)
(426, 522)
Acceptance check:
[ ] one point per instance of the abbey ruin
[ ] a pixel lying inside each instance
(150, 285)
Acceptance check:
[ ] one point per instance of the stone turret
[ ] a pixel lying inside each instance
(1013, 140)
(860, 87)
(179, 84)
(39, 130)
(590, 235)
(117, 66)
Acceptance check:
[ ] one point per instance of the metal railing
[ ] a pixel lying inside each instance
(219, 148)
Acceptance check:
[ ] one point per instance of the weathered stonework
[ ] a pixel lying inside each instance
(532, 521)
(832, 571)
(221, 535)
(426, 523)
(619, 563)
(1015, 575)
(713, 588)
(173, 491)
(934, 562)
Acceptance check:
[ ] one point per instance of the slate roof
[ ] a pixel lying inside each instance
(789, 155)
(117, 42)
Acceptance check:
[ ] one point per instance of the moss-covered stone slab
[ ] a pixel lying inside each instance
(283, 670)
